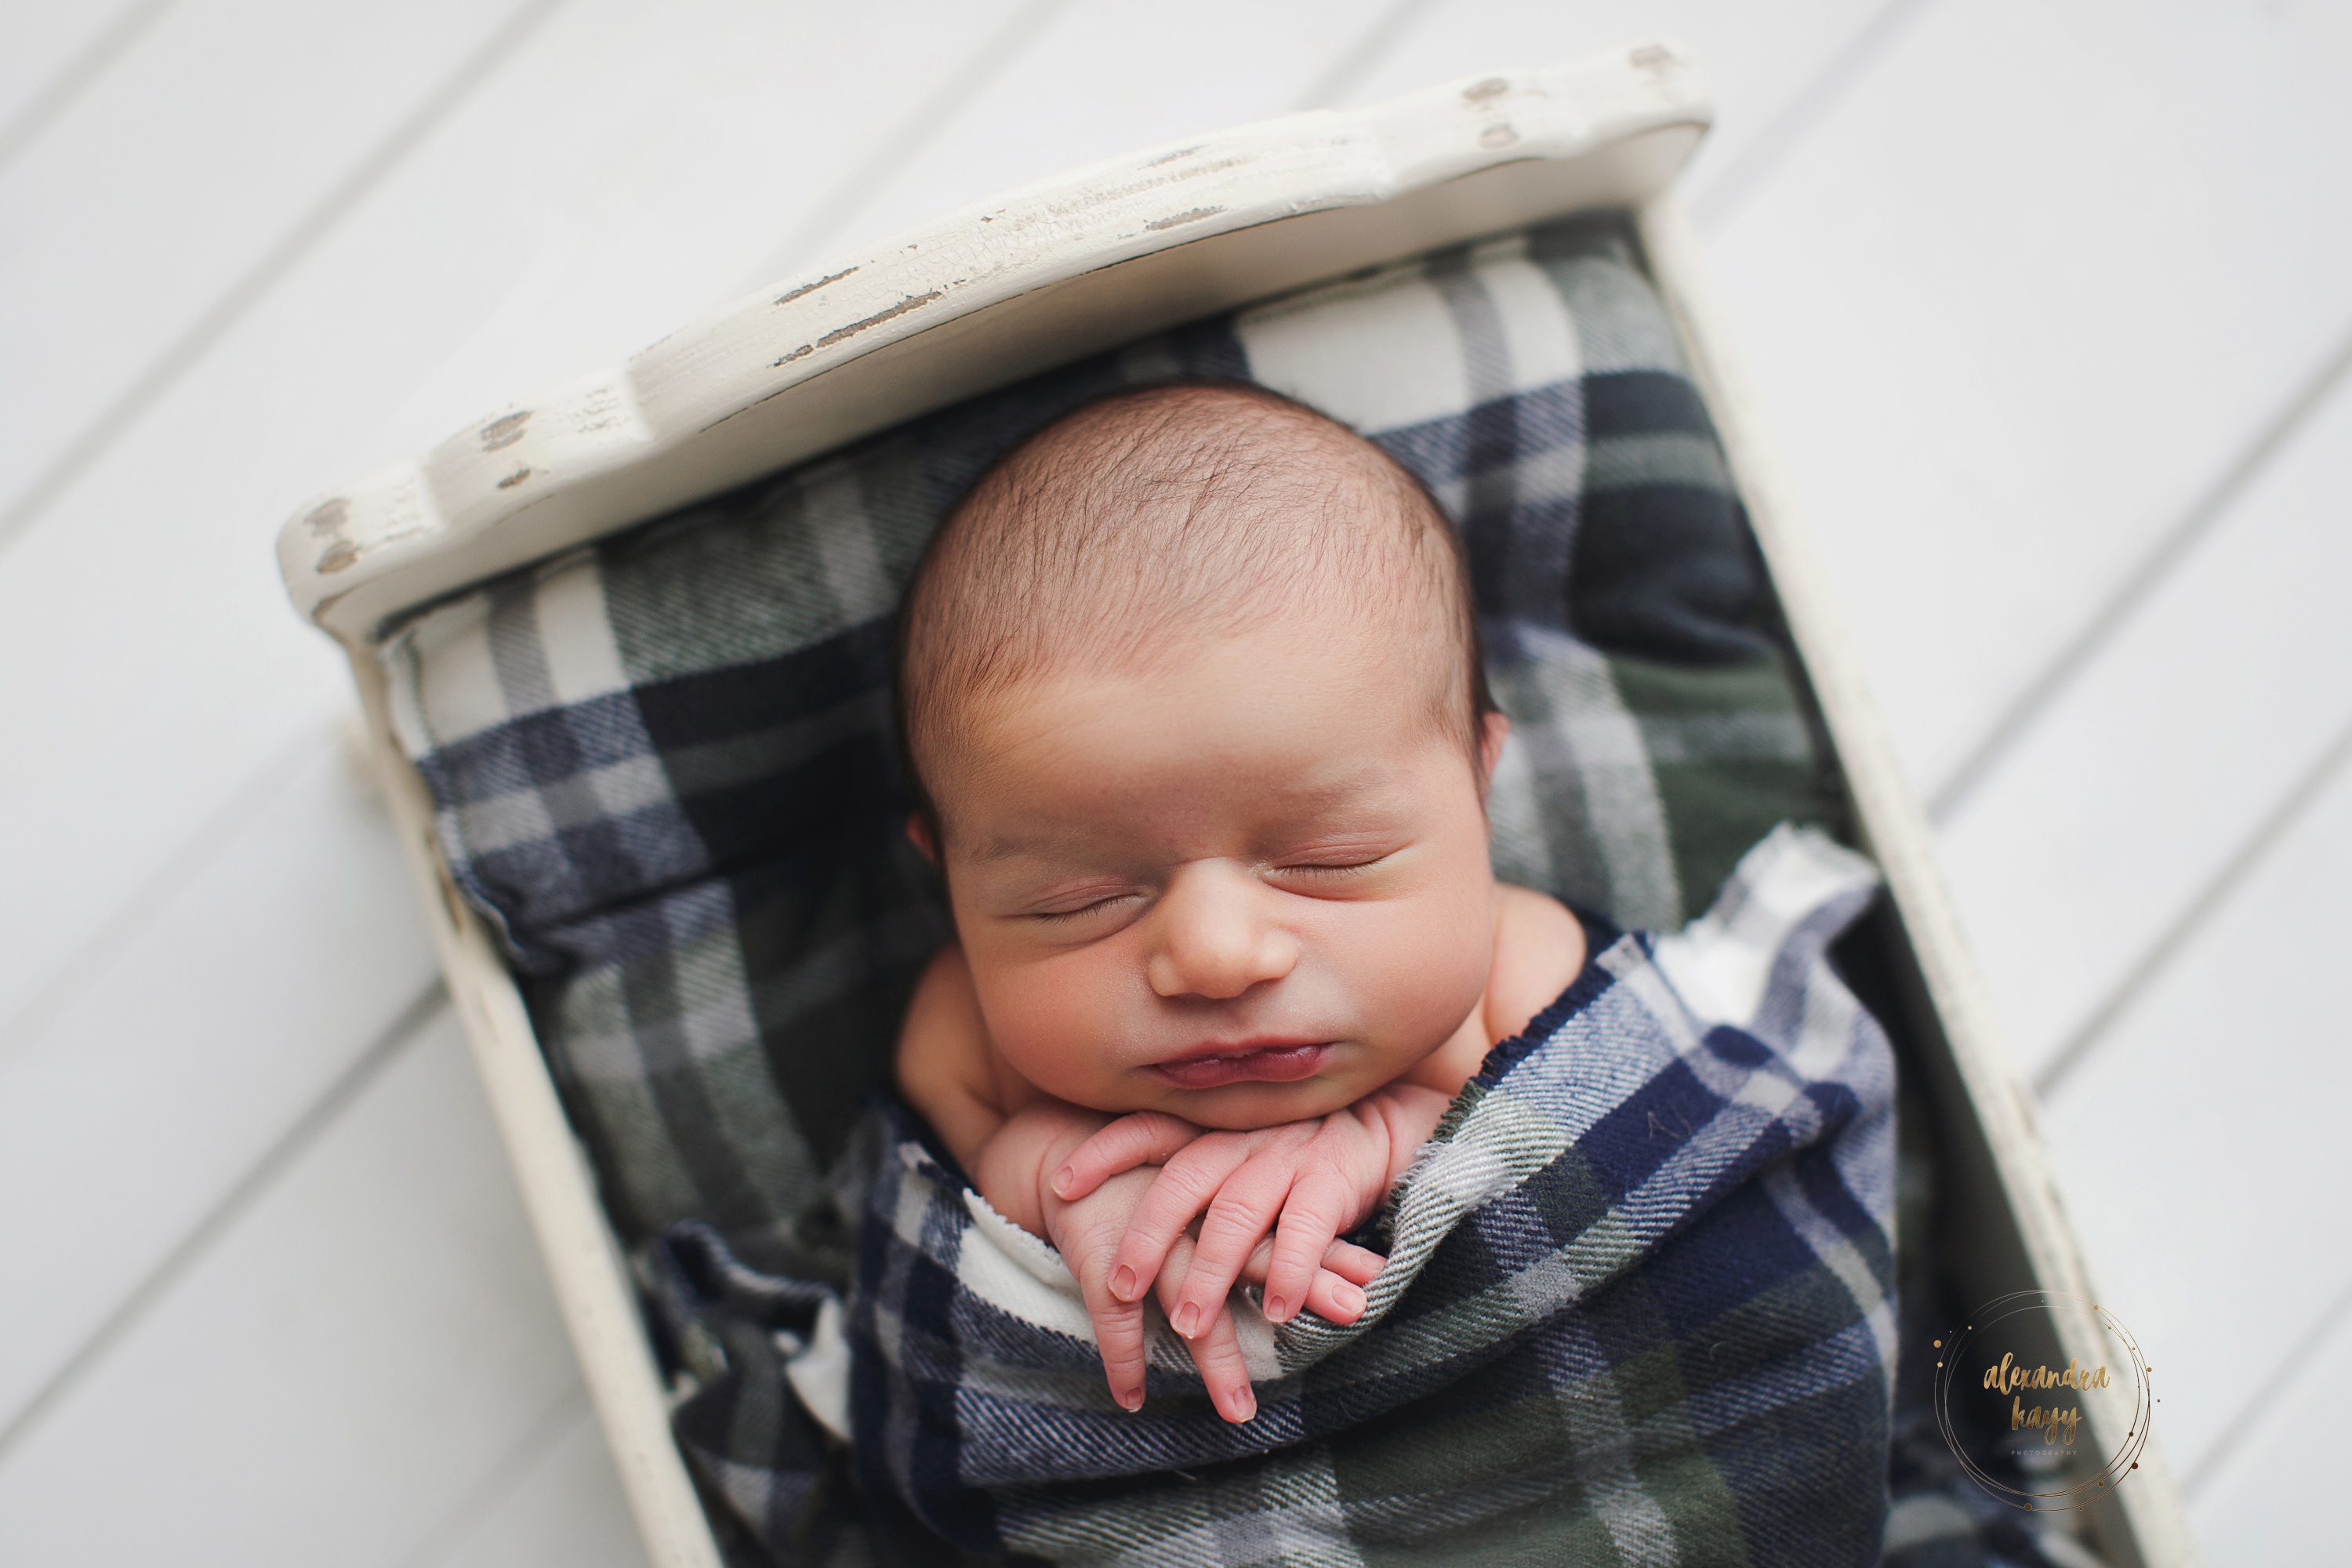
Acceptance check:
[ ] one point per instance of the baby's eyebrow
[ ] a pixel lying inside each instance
(1028, 846)
(996, 849)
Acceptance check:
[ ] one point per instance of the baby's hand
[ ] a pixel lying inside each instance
(1302, 1183)
(1087, 1232)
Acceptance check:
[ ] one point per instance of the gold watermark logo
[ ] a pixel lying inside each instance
(2038, 1428)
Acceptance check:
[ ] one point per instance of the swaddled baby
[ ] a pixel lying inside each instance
(1190, 690)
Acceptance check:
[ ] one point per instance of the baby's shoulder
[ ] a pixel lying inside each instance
(1539, 950)
(943, 1040)
(1526, 912)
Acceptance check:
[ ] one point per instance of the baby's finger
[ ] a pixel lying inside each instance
(1243, 1213)
(1313, 1214)
(1356, 1265)
(1217, 1351)
(1118, 1335)
(1184, 1187)
(1218, 1354)
(1334, 1299)
(1334, 1294)
(1142, 1138)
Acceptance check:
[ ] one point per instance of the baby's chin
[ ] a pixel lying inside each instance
(1246, 1107)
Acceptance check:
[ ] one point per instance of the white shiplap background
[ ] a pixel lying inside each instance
(2050, 302)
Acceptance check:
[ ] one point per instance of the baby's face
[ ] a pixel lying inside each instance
(1247, 887)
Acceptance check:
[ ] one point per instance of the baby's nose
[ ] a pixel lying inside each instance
(1217, 938)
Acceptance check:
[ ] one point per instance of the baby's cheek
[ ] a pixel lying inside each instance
(1422, 964)
(1054, 1021)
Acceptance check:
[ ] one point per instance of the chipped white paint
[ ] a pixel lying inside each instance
(1047, 272)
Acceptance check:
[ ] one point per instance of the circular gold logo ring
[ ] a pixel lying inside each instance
(1981, 1361)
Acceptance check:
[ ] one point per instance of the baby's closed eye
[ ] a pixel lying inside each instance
(1074, 899)
(1335, 863)
(1330, 867)
(1077, 911)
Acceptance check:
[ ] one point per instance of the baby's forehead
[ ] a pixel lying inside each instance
(1132, 531)
(1245, 750)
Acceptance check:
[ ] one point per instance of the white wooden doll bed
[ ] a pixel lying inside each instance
(1037, 277)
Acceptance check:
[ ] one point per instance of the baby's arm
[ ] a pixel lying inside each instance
(943, 1068)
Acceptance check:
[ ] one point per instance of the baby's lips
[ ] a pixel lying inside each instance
(1284, 1063)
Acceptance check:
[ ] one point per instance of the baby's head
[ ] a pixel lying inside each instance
(1190, 687)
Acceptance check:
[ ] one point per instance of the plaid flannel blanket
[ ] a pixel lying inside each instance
(1638, 1309)
(663, 769)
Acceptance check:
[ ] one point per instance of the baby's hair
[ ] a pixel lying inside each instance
(1184, 507)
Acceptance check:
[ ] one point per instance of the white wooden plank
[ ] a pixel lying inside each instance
(332, 1382)
(1107, 76)
(2136, 787)
(565, 1511)
(47, 48)
(220, 129)
(2200, 1151)
(2278, 1502)
(147, 594)
(2019, 295)
(1762, 59)
(698, 138)
(210, 1025)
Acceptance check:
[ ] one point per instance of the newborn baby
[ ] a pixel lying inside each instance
(1191, 692)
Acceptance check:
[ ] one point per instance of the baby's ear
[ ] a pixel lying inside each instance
(1493, 731)
(918, 834)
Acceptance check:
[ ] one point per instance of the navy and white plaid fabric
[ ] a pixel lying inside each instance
(1639, 1308)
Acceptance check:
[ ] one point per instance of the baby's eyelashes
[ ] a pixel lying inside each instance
(1331, 871)
(1330, 868)
(1098, 906)
(1080, 903)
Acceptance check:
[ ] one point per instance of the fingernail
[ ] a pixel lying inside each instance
(1124, 1284)
(1187, 1321)
(1278, 1310)
(1063, 1179)
(1130, 1399)
(1245, 1406)
(1348, 1299)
